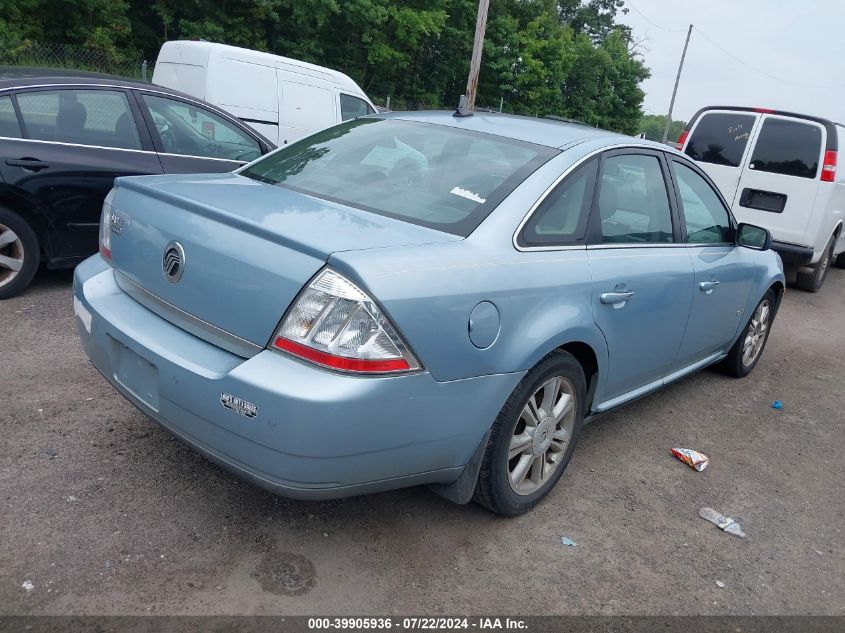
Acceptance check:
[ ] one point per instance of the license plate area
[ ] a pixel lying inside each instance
(135, 374)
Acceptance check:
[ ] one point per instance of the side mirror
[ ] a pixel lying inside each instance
(755, 237)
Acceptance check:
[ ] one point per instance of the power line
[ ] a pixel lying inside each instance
(762, 72)
(654, 24)
(730, 54)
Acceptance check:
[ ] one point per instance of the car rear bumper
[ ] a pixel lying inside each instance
(314, 434)
(792, 254)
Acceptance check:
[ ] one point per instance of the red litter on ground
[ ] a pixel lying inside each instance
(691, 458)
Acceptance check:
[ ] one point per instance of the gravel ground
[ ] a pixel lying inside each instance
(103, 513)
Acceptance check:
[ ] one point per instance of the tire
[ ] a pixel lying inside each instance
(737, 364)
(18, 247)
(812, 281)
(840, 261)
(547, 455)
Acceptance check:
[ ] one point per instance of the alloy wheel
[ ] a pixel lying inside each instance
(542, 435)
(755, 337)
(11, 255)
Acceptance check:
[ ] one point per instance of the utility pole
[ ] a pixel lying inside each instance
(675, 89)
(475, 62)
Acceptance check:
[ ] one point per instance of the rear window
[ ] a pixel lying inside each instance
(720, 138)
(787, 147)
(435, 176)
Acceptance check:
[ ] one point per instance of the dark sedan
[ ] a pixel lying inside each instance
(64, 138)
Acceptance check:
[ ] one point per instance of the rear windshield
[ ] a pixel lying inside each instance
(720, 138)
(787, 147)
(431, 175)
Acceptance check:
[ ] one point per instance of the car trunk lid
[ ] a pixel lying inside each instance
(248, 247)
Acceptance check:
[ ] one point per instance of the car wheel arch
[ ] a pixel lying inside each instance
(31, 216)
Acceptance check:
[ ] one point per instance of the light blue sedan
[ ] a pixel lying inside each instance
(420, 298)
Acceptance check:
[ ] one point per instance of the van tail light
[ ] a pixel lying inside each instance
(335, 324)
(105, 226)
(682, 139)
(829, 166)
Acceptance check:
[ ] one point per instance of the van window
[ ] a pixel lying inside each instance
(9, 125)
(786, 147)
(720, 138)
(353, 107)
(85, 117)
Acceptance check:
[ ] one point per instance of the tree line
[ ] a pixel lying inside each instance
(569, 58)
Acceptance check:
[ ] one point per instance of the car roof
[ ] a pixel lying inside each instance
(23, 76)
(548, 132)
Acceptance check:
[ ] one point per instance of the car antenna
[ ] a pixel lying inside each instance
(462, 110)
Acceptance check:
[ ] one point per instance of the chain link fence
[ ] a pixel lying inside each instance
(75, 58)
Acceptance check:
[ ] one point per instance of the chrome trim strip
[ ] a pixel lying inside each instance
(188, 322)
(554, 184)
(657, 384)
(121, 149)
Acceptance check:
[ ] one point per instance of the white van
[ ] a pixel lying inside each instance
(284, 99)
(778, 170)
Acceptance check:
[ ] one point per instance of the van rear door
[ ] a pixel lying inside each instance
(719, 142)
(779, 185)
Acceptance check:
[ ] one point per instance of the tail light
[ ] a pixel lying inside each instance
(105, 226)
(829, 166)
(682, 139)
(335, 324)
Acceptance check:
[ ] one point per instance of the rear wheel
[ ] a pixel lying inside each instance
(533, 437)
(749, 346)
(18, 253)
(840, 261)
(813, 280)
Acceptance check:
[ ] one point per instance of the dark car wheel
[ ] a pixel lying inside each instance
(748, 348)
(19, 255)
(812, 281)
(533, 437)
(840, 260)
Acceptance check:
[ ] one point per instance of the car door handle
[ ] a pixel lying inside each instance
(617, 296)
(707, 286)
(27, 163)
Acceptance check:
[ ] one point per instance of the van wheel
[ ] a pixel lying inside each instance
(19, 254)
(812, 281)
(533, 437)
(840, 261)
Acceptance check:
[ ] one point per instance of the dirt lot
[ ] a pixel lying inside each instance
(103, 513)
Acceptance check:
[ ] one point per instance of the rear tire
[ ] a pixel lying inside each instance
(840, 261)
(19, 253)
(533, 437)
(748, 349)
(812, 281)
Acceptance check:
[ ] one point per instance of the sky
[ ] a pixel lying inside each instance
(781, 54)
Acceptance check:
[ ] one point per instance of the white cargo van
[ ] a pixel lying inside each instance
(778, 170)
(284, 99)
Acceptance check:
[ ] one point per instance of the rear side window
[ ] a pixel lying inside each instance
(633, 201)
(85, 117)
(720, 138)
(562, 216)
(9, 126)
(353, 107)
(787, 147)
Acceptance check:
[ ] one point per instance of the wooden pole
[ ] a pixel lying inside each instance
(475, 62)
(675, 89)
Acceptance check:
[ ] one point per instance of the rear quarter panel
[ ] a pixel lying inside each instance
(543, 297)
